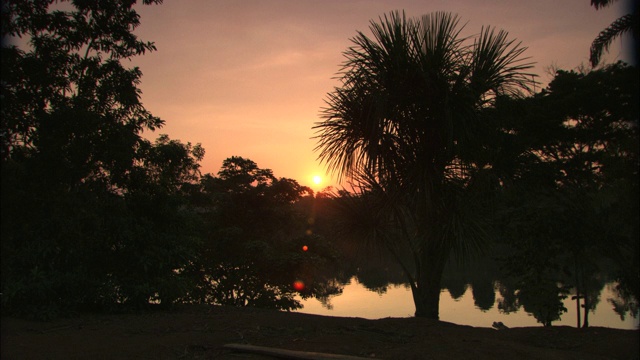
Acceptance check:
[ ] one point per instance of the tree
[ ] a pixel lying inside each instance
(405, 125)
(575, 160)
(93, 214)
(91, 249)
(69, 92)
(620, 26)
(253, 239)
(598, 158)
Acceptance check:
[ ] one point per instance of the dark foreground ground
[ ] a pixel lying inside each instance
(199, 332)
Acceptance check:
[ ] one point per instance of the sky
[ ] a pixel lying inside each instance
(249, 78)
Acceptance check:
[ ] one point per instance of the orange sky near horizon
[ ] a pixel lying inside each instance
(249, 78)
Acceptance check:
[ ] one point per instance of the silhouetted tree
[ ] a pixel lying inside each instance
(543, 299)
(533, 267)
(509, 302)
(574, 162)
(625, 23)
(624, 304)
(253, 237)
(403, 127)
(93, 214)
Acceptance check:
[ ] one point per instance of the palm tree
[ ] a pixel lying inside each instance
(616, 29)
(404, 128)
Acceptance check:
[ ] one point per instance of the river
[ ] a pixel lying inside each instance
(358, 301)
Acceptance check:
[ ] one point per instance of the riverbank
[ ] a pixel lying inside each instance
(200, 332)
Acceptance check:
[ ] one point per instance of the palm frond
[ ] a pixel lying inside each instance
(438, 42)
(497, 64)
(465, 228)
(402, 123)
(358, 129)
(606, 37)
(598, 4)
(363, 220)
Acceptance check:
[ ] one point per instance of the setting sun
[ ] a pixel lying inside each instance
(317, 180)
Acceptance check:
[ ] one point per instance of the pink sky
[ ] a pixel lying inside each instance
(249, 78)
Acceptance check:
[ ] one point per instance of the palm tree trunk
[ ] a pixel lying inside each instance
(426, 295)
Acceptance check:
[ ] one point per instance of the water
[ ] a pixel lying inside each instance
(358, 301)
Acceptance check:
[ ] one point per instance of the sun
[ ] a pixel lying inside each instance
(317, 179)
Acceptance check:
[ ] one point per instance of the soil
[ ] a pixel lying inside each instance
(200, 331)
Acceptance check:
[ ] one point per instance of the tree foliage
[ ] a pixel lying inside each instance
(253, 240)
(69, 88)
(571, 202)
(94, 215)
(405, 126)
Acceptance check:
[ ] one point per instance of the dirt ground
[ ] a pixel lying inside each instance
(199, 332)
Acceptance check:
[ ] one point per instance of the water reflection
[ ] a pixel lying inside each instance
(460, 304)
